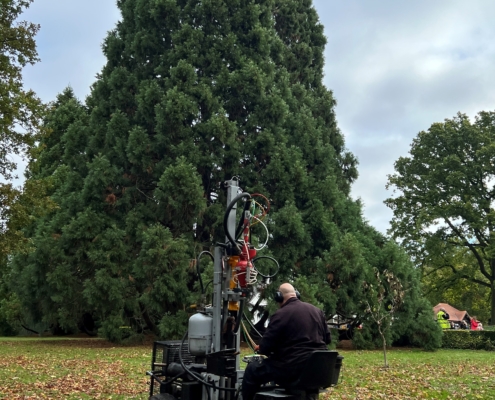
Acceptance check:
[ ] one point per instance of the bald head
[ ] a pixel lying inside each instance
(287, 291)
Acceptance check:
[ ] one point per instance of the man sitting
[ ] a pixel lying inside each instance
(294, 332)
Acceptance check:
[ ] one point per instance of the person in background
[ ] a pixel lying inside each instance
(474, 323)
(443, 319)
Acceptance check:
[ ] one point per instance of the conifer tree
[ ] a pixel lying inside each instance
(192, 94)
(44, 278)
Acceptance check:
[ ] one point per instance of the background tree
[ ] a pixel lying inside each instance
(411, 322)
(192, 94)
(51, 296)
(446, 200)
(20, 113)
(442, 285)
(19, 109)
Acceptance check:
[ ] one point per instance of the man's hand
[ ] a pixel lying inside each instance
(256, 348)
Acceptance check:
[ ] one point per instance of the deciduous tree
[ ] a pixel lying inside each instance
(19, 108)
(442, 285)
(384, 296)
(445, 200)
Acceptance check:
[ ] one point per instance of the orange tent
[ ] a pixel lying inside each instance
(455, 315)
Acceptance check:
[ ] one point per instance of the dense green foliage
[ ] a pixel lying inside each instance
(441, 286)
(412, 323)
(444, 213)
(466, 339)
(194, 93)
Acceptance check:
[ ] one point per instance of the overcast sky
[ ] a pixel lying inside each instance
(395, 67)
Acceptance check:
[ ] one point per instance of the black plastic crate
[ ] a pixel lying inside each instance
(166, 352)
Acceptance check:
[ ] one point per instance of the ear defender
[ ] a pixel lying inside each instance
(279, 298)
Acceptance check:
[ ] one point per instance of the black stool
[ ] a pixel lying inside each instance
(316, 374)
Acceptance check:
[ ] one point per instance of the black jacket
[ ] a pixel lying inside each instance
(294, 331)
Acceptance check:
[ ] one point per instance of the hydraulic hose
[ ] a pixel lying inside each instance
(240, 225)
(269, 258)
(199, 272)
(227, 213)
(196, 376)
(239, 316)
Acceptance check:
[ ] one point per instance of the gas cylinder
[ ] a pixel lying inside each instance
(200, 334)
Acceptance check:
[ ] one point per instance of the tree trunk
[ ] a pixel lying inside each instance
(384, 341)
(29, 329)
(385, 351)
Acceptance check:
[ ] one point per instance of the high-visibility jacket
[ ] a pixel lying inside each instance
(444, 323)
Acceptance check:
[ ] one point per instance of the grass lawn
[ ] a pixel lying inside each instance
(444, 374)
(54, 368)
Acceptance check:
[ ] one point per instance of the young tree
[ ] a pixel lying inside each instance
(412, 321)
(383, 298)
(446, 198)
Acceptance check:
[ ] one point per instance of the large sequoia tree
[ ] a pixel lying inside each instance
(194, 93)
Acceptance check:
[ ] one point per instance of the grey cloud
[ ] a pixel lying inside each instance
(69, 44)
(395, 67)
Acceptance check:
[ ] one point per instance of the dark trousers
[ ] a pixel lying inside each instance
(258, 373)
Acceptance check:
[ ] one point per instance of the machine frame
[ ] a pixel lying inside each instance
(207, 366)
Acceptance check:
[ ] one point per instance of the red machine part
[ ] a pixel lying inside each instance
(244, 265)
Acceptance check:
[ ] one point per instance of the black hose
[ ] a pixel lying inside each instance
(197, 376)
(252, 326)
(270, 258)
(199, 272)
(240, 225)
(208, 284)
(227, 213)
(239, 316)
(166, 382)
(193, 374)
